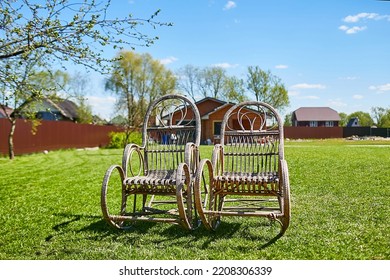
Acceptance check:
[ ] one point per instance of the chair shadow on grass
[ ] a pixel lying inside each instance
(262, 232)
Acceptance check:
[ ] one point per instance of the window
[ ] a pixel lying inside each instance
(329, 124)
(217, 128)
(313, 123)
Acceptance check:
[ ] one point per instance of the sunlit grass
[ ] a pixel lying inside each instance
(50, 209)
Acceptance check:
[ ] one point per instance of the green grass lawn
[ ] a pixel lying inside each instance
(340, 191)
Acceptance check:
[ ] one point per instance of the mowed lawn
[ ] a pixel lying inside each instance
(340, 190)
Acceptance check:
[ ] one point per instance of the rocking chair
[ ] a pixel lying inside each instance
(248, 175)
(155, 181)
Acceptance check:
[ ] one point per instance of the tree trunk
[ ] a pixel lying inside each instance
(11, 139)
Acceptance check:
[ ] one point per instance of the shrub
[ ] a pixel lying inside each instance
(118, 139)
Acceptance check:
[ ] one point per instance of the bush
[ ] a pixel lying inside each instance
(118, 139)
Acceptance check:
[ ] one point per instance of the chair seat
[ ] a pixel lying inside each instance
(154, 178)
(243, 177)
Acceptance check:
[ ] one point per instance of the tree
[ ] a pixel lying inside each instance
(68, 30)
(364, 118)
(188, 76)
(267, 87)
(137, 79)
(26, 86)
(234, 89)
(344, 119)
(35, 36)
(211, 82)
(288, 120)
(381, 116)
(77, 88)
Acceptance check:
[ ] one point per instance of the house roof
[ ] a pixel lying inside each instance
(66, 107)
(316, 114)
(216, 109)
(5, 111)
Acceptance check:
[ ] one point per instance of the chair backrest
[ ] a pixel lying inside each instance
(252, 139)
(170, 123)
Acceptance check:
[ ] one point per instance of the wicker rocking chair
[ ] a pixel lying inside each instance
(248, 175)
(155, 181)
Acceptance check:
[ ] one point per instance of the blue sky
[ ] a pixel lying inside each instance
(332, 53)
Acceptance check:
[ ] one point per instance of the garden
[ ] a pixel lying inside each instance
(340, 193)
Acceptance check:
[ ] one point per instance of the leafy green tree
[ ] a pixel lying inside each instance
(364, 118)
(234, 89)
(138, 79)
(287, 120)
(267, 88)
(381, 116)
(344, 119)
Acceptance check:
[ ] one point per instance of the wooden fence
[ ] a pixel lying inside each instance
(53, 135)
(304, 132)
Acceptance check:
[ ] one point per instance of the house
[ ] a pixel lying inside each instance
(211, 112)
(353, 122)
(5, 111)
(59, 110)
(315, 117)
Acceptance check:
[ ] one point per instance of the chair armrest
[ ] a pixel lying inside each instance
(217, 160)
(128, 165)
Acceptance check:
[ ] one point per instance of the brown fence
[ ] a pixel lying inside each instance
(366, 131)
(292, 132)
(53, 135)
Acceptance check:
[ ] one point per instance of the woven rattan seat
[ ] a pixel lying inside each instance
(270, 177)
(154, 179)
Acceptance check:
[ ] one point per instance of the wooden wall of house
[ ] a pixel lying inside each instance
(53, 135)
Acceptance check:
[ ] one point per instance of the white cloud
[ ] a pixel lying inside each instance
(336, 103)
(360, 17)
(353, 29)
(350, 78)
(358, 96)
(385, 87)
(168, 60)
(229, 5)
(356, 18)
(281, 66)
(225, 65)
(308, 86)
(311, 97)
